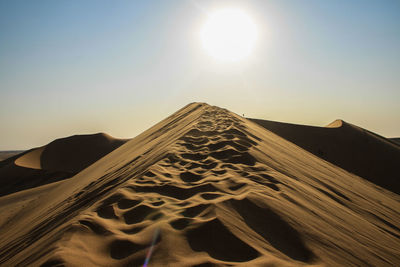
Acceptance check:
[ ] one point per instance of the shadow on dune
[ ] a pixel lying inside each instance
(273, 228)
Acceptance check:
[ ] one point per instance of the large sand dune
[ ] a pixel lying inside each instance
(350, 147)
(204, 187)
(53, 162)
(396, 140)
(9, 153)
(70, 154)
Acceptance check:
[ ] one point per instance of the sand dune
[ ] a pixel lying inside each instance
(70, 154)
(350, 147)
(396, 140)
(9, 153)
(204, 187)
(53, 162)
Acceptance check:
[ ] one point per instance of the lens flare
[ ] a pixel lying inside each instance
(150, 251)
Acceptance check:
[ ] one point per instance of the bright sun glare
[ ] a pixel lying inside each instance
(229, 34)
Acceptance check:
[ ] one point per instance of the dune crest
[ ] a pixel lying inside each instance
(335, 124)
(206, 187)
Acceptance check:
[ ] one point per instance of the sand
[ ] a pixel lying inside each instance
(395, 140)
(350, 147)
(58, 160)
(5, 154)
(206, 187)
(70, 154)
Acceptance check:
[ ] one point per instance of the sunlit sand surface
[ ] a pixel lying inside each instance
(205, 187)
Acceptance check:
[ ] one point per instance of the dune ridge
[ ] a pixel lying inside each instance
(207, 187)
(350, 147)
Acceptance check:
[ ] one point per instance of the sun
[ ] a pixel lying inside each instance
(229, 34)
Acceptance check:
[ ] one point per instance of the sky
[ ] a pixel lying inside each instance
(78, 67)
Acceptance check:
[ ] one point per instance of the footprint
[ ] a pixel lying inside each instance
(149, 174)
(53, 263)
(180, 224)
(143, 181)
(120, 249)
(106, 212)
(112, 199)
(219, 172)
(269, 178)
(215, 239)
(236, 187)
(230, 166)
(209, 165)
(190, 177)
(222, 144)
(133, 230)
(137, 214)
(194, 156)
(158, 203)
(127, 203)
(176, 192)
(195, 210)
(94, 227)
(273, 186)
(210, 196)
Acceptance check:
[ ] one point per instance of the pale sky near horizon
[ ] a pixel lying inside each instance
(75, 67)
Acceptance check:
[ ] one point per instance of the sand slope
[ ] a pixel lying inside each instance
(206, 187)
(55, 161)
(352, 148)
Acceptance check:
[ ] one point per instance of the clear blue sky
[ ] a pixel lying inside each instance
(73, 67)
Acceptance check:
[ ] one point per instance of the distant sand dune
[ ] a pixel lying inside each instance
(55, 161)
(9, 153)
(70, 154)
(396, 140)
(204, 187)
(31, 160)
(352, 148)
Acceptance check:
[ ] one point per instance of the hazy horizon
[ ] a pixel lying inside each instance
(73, 67)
